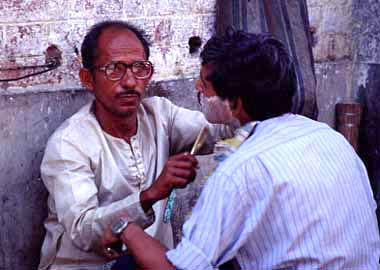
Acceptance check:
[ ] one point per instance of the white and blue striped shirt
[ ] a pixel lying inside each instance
(294, 194)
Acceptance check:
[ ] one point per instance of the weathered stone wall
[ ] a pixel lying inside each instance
(331, 25)
(347, 55)
(28, 27)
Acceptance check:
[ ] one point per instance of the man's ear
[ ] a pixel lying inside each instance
(87, 79)
(233, 104)
(238, 110)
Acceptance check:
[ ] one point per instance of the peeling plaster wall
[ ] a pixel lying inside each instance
(31, 109)
(28, 27)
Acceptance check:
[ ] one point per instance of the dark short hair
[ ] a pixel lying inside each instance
(255, 67)
(90, 43)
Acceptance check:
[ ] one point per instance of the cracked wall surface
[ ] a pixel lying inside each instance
(28, 27)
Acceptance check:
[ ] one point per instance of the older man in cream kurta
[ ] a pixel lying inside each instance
(94, 177)
(120, 155)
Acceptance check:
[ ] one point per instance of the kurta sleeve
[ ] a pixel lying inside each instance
(67, 174)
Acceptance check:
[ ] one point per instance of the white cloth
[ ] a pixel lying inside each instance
(93, 177)
(294, 194)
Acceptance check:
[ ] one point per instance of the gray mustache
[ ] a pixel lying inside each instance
(128, 92)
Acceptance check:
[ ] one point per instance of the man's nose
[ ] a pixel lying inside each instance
(128, 80)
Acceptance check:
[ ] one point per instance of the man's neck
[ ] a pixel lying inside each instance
(123, 127)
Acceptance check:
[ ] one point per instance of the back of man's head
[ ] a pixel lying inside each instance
(255, 67)
(89, 47)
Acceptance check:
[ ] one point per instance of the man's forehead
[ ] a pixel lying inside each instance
(113, 40)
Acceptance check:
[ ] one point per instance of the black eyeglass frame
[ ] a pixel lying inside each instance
(126, 66)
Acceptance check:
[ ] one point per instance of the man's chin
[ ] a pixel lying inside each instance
(224, 121)
(120, 110)
(125, 112)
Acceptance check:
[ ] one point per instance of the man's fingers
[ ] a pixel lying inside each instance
(182, 165)
(183, 173)
(110, 253)
(184, 157)
(179, 182)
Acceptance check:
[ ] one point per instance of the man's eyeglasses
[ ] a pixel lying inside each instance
(116, 70)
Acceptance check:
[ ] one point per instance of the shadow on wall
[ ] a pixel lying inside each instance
(370, 129)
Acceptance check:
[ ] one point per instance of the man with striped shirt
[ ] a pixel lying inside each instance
(294, 195)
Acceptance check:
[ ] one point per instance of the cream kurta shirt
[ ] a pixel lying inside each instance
(93, 178)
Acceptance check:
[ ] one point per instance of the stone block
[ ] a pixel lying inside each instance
(333, 83)
(169, 31)
(332, 46)
(25, 40)
(174, 62)
(313, 3)
(167, 7)
(106, 7)
(135, 8)
(186, 27)
(67, 35)
(208, 27)
(21, 11)
(95, 10)
(81, 8)
(316, 17)
(205, 6)
(337, 18)
(1, 38)
(326, 3)
(147, 25)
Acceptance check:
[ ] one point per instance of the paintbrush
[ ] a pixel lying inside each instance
(199, 141)
(201, 138)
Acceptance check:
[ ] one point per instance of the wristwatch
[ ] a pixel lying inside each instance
(119, 226)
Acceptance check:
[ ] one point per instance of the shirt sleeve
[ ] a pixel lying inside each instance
(221, 222)
(68, 176)
(185, 125)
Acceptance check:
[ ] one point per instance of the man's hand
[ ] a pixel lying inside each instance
(178, 172)
(108, 240)
(148, 252)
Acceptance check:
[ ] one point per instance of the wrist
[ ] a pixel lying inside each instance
(119, 226)
(147, 199)
(131, 232)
